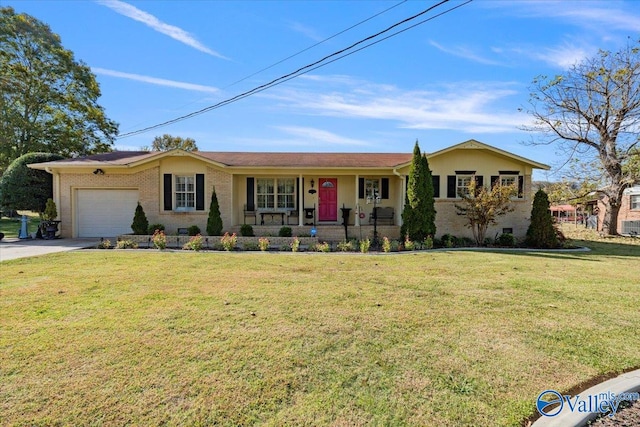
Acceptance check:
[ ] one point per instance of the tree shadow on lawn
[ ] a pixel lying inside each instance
(597, 249)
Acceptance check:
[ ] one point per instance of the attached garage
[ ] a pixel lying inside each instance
(105, 212)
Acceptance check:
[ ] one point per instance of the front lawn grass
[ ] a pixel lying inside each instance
(429, 338)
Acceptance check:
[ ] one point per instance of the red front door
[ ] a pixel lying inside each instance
(328, 199)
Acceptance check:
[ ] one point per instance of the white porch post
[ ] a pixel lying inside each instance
(357, 209)
(403, 182)
(301, 207)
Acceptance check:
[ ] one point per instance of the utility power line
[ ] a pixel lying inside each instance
(307, 68)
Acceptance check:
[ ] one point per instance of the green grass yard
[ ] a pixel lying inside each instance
(429, 338)
(11, 226)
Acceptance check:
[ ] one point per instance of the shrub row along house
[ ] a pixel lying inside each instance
(97, 195)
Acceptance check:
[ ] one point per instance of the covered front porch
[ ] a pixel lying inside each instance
(321, 200)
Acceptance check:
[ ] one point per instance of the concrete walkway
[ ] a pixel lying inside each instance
(12, 248)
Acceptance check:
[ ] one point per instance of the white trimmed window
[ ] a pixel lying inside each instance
(185, 194)
(371, 188)
(509, 180)
(275, 193)
(635, 202)
(286, 193)
(462, 184)
(265, 192)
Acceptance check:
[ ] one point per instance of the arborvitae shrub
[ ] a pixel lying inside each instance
(140, 223)
(214, 222)
(541, 232)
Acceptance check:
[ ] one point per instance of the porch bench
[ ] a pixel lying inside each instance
(385, 215)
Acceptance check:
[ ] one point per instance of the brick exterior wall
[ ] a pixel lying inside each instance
(625, 214)
(147, 182)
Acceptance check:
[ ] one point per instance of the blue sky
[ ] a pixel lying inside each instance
(458, 76)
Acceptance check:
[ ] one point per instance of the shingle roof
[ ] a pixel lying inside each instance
(249, 159)
(301, 160)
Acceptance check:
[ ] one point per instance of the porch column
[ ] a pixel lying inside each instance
(357, 210)
(403, 182)
(301, 204)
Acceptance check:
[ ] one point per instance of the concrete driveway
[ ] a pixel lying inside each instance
(16, 248)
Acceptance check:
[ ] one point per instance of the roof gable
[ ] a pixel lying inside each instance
(472, 144)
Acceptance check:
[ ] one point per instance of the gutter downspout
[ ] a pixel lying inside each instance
(56, 187)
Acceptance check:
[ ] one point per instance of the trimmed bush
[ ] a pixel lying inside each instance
(506, 239)
(140, 223)
(214, 221)
(24, 188)
(541, 232)
(246, 230)
(126, 244)
(285, 232)
(193, 230)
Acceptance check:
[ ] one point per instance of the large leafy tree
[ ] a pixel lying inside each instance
(592, 112)
(24, 188)
(419, 214)
(167, 142)
(48, 100)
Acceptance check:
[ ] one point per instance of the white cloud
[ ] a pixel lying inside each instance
(314, 136)
(563, 56)
(465, 106)
(607, 15)
(155, 81)
(464, 52)
(306, 31)
(151, 21)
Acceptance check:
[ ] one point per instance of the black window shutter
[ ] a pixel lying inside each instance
(520, 186)
(360, 188)
(250, 189)
(451, 186)
(168, 192)
(479, 182)
(436, 185)
(385, 188)
(199, 191)
(495, 180)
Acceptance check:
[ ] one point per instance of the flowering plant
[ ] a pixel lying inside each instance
(229, 241)
(263, 243)
(295, 244)
(195, 243)
(159, 239)
(365, 245)
(386, 244)
(408, 244)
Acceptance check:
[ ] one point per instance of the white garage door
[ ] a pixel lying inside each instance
(105, 213)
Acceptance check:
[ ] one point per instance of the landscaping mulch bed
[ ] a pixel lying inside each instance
(629, 416)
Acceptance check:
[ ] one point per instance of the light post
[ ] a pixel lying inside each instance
(374, 198)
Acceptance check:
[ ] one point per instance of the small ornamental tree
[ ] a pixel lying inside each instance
(541, 232)
(214, 221)
(50, 211)
(140, 223)
(23, 188)
(482, 207)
